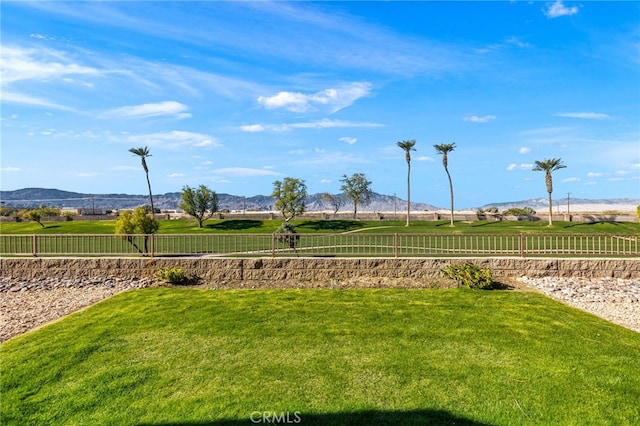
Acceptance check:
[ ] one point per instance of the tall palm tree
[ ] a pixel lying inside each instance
(408, 147)
(143, 152)
(549, 166)
(444, 149)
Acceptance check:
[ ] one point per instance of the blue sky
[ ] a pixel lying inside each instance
(235, 95)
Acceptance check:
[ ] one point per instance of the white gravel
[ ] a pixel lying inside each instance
(614, 299)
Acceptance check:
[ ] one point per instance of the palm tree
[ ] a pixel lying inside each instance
(549, 166)
(444, 149)
(144, 153)
(408, 147)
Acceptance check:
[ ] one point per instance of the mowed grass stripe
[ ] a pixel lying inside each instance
(177, 356)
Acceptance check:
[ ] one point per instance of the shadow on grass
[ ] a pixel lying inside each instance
(416, 417)
(592, 222)
(331, 225)
(235, 224)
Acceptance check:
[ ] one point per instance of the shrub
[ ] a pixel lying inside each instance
(516, 211)
(287, 234)
(172, 275)
(469, 275)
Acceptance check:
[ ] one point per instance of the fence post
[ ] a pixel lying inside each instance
(521, 245)
(273, 246)
(151, 245)
(34, 245)
(395, 245)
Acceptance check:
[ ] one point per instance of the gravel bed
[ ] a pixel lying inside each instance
(29, 304)
(614, 299)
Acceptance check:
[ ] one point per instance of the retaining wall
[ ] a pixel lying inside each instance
(216, 270)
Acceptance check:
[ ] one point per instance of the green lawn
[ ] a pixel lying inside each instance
(195, 357)
(252, 226)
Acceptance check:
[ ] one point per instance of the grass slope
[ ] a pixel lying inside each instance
(252, 226)
(192, 357)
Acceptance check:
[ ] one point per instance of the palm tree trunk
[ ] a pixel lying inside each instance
(408, 192)
(450, 192)
(153, 211)
(550, 211)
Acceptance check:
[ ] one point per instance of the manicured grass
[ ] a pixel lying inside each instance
(252, 226)
(179, 356)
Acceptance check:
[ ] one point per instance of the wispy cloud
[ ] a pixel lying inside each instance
(253, 128)
(479, 119)
(171, 108)
(324, 123)
(558, 9)
(524, 150)
(522, 166)
(348, 140)
(19, 98)
(245, 172)
(332, 99)
(19, 64)
(172, 140)
(11, 169)
(585, 115)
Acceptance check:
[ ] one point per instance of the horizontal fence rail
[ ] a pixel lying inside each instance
(345, 245)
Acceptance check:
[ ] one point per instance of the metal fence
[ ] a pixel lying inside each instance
(346, 245)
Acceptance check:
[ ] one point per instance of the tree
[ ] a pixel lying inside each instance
(201, 203)
(136, 222)
(33, 215)
(444, 149)
(548, 166)
(408, 146)
(143, 153)
(356, 188)
(334, 200)
(290, 195)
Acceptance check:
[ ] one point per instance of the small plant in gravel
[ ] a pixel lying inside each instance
(469, 275)
(171, 275)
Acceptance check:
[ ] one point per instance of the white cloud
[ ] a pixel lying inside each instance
(571, 179)
(333, 99)
(522, 166)
(176, 175)
(10, 169)
(478, 119)
(89, 174)
(425, 158)
(245, 172)
(558, 9)
(18, 98)
(173, 140)
(253, 128)
(594, 174)
(327, 124)
(149, 110)
(586, 115)
(348, 140)
(38, 64)
(524, 150)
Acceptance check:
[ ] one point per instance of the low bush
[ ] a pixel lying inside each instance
(469, 275)
(171, 275)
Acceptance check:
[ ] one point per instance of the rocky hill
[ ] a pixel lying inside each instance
(35, 197)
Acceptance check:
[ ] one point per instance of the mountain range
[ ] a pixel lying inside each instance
(35, 197)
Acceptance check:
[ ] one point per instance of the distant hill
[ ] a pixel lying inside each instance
(35, 197)
(575, 204)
